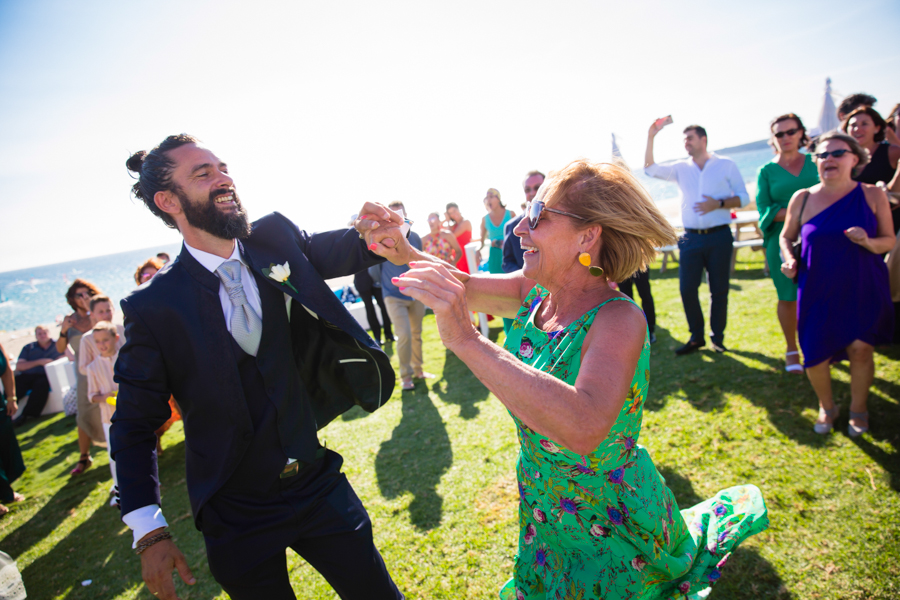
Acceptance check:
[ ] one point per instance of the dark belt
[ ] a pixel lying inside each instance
(297, 466)
(705, 231)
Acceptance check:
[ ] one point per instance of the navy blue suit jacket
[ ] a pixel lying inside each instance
(177, 343)
(512, 247)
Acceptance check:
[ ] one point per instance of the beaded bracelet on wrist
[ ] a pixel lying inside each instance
(143, 545)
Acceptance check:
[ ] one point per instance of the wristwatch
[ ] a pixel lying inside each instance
(721, 203)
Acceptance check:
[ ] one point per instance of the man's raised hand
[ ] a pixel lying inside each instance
(381, 229)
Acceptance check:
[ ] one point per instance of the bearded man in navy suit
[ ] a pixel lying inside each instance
(260, 354)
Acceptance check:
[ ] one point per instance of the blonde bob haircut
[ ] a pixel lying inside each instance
(610, 196)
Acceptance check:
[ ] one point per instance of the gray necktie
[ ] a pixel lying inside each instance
(246, 326)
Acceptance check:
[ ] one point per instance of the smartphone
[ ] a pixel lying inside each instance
(662, 122)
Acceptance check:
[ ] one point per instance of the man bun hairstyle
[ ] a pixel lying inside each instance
(154, 172)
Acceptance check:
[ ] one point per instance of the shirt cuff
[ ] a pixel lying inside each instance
(143, 520)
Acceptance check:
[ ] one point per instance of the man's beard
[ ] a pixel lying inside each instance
(206, 217)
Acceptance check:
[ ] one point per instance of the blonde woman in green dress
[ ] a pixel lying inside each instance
(776, 182)
(596, 519)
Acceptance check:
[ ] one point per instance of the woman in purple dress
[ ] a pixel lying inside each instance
(843, 303)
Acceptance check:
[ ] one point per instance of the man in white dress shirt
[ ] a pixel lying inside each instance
(711, 186)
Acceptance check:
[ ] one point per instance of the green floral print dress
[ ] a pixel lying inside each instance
(604, 525)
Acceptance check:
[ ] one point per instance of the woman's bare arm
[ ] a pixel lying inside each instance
(791, 232)
(579, 416)
(884, 237)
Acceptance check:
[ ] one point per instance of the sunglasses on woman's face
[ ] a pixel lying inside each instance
(781, 134)
(834, 153)
(535, 208)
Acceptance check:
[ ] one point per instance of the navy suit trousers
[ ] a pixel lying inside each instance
(710, 251)
(315, 513)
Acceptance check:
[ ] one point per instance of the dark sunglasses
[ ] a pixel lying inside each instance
(781, 134)
(534, 209)
(834, 153)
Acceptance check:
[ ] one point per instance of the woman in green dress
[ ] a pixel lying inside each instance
(596, 519)
(776, 182)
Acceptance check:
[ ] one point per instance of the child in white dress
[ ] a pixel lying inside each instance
(101, 386)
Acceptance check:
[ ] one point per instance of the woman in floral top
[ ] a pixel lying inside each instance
(596, 519)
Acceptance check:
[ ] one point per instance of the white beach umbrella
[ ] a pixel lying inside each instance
(828, 116)
(617, 154)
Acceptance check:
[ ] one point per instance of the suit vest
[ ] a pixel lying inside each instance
(267, 453)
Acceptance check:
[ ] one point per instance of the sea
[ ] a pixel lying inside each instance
(36, 295)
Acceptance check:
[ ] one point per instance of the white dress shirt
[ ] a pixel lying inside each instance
(147, 518)
(719, 179)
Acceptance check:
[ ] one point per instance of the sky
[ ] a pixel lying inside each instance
(318, 107)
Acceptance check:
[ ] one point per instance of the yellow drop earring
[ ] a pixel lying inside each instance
(585, 259)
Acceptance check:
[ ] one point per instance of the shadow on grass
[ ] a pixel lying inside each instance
(681, 487)
(460, 387)
(746, 574)
(884, 422)
(749, 575)
(57, 509)
(705, 378)
(99, 548)
(93, 550)
(414, 459)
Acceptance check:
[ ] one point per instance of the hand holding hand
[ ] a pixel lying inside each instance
(857, 235)
(708, 205)
(438, 287)
(157, 563)
(789, 268)
(380, 227)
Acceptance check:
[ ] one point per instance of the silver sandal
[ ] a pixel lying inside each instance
(795, 368)
(823, 428)
(852, 429)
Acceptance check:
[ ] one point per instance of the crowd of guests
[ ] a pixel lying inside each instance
(711, 189)
(92, 341)
(586, 232)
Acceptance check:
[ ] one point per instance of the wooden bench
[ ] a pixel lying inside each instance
(667, 252)
(755, 244)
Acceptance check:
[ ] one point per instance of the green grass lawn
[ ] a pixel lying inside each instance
(435, 468)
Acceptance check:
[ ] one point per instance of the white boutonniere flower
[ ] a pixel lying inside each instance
(281, 274)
